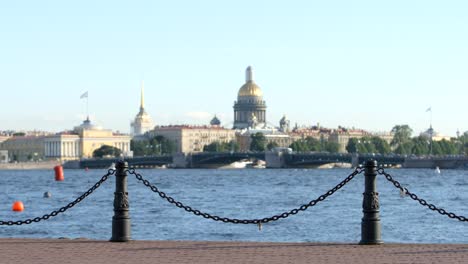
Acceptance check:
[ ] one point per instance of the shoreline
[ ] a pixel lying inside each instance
(43, 165)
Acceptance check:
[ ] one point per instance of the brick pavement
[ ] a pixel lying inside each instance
(64, 251)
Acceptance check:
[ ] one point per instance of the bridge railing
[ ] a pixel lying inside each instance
(370, 224)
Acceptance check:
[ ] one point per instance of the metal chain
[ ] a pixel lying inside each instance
(244, 221)
(63, 209)
(420, 200)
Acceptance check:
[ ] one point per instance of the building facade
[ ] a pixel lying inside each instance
(272, 135)
(250, 108)
(76, 144)
(188, 139)
(24, 148)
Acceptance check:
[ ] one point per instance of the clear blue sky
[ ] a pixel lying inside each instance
(366, 64)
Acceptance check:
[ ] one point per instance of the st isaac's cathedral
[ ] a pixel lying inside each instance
(250, 108)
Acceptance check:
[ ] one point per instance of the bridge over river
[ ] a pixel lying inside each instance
(222, 159)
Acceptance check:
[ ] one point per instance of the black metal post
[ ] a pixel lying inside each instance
(121, 218)
(370, 225)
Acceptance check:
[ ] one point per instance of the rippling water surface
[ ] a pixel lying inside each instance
(245, 193)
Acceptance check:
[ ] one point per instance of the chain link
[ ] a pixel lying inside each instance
(258, 221)
(423, 202)
(63, 209)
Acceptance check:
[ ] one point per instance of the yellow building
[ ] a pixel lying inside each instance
(72, 145)
(83, 141)
(24, 148)
(189, 139)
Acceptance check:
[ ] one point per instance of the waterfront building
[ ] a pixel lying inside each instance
(342, 136)
(189, 138)
(317, 132)
(250, 108)
(82, 141)
(24, 148)
(142, 122)
(70, 145)
(272, 135)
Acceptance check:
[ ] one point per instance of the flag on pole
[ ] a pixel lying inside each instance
(85, 95)
(427, 110)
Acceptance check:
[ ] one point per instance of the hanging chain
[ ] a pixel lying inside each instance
(63, 209)
(245, 221)
(420, 200)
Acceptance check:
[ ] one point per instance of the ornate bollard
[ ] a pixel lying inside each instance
(121, 218)
(370, 225)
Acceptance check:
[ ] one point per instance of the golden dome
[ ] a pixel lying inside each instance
(250, 89)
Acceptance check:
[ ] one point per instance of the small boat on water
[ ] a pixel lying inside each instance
(437, 170)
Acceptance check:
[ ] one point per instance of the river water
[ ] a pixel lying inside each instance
(242, 193)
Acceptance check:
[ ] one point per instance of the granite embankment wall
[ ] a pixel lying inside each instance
(29, 165)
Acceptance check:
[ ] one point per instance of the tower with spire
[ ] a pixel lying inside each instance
(143, 121)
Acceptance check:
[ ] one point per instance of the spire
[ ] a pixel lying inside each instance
(248, 74)
(142, 103)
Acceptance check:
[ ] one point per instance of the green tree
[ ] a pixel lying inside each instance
(448, 147)
(401, 135)
(437, 148)
(106, 150)
(313, 144)
(332, 147)
(258, 142)
(381, 146)
(154, 146)
(218, 146)
(272, 145)
(404, 148)
(351, 147)
(420, 146)
(212, 147)
(166, 146)
(300, 146)
(234, 146)
(139, 147)
(19, 134)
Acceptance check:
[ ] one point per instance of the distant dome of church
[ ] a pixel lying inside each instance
(215, 121)
(250, 88)
(87, 125)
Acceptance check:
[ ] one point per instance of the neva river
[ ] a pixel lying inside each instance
(244, 193)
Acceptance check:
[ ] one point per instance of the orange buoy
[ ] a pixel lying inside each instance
(17, 206)
(58, 173)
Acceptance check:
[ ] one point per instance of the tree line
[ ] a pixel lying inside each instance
(402, 143)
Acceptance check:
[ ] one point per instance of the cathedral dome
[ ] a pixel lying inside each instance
(250, 88)
(87, 125)
(215, 121)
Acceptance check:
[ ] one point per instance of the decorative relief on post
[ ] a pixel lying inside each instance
(121, 200)
(371, 201)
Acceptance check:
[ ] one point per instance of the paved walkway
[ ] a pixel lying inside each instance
(64, 251)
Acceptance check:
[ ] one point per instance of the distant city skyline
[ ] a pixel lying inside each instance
(360, 64)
